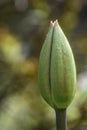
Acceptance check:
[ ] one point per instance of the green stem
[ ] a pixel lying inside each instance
(61, 122)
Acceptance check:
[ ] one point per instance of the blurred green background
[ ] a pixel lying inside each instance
(23, 26)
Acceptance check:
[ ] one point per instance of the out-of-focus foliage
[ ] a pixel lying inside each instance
(23, 26)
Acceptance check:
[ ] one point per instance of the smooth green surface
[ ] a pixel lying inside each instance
(44, 68)
(57, 74)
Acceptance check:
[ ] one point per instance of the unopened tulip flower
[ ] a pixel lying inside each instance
(57, 73)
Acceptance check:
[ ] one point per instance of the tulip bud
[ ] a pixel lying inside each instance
(57, 73)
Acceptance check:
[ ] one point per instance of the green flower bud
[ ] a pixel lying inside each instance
(57, 73)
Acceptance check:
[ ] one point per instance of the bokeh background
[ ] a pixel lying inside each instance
(23, 27)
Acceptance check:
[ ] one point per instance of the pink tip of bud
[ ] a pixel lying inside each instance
(52, 23)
